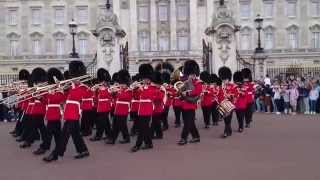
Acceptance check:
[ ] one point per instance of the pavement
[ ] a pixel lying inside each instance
(274, 148)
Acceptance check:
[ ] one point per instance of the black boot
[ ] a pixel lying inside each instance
(182, 142)
(82, 155)
(19, 139)
(145, 147)
(93, 139)
(39, 151)
(110, 141)
(50, 158)
(195, 140)
(25, 145)
(125, 141)
(135, 149)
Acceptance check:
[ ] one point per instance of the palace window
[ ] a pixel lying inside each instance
(268, 8)
(83, 15)
(144, 41)
(83, 45)
(291, 8)
(143, 13)
(293, 37)
(163, 42)
(269, 38)
(13, 47)
(59, 16)
(182, 12)
(183, 41)
(13, 16)
(245, 39)
(316, 39)
(163, 13)
(245, 9)
(315, 8)
(36, 48)
(36, 16)
(60, 46)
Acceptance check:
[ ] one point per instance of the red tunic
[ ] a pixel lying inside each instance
(122, 102)
(228, 90)
(159, 100)
(54, 101)
(186, 105)
(147, 96)
(177, 102)
(39, 107)
(87, 100)
(207, 97)
(104, 99)
(170, 95)
(72, 111)
(241, 102)
(250, 89)
(135, 100)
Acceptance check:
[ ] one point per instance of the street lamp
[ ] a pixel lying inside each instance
(73, 31)
(259, 23)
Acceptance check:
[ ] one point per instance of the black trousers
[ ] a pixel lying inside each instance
(165, 117)
(177, 113)
(103, 125)
(19, 125)
(215, 113)
(87, 122)
(249, 113)
(37, 124)
(227, 123)
(54, 131)
(189, 125)
(156, 130)
(240, 117)
(134, 119)
(71, 128)
(206, 111)
(120, 125)
(144, 135)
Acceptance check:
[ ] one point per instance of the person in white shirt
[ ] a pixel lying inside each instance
(267, 80)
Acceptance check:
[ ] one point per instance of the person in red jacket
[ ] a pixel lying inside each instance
(134, 106)
(159, 102)
(87, 112)
(146, 107)
(206, 98)
(189, 102)
(104, 106)
(123, 96)
(177, 107)
(169, 98)
(228, 90)
(241, 103)
(214, 86)
(72, 114)
(250, 87)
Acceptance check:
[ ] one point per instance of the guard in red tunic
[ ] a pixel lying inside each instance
(241, 103)
(177, 108)
(72, 114)
(190, 96)
(159, 102)
(228, 90)
(146, 107)
(250, 87)
(169, 98)
(123, 96)
(37, 112)
(134, 106)
(206, 98)
(104, 106)
(214, 86)
(87, 112)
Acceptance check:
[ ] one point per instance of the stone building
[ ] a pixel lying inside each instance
(35, 33)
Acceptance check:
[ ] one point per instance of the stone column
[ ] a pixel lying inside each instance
(193, 25)
(173, 25)
(133, 36)
(153, 25)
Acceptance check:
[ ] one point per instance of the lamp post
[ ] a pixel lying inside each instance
(73, 31)
(259, 23)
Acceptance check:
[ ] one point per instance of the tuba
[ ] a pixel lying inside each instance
(186, 86)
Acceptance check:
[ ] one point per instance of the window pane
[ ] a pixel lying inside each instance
(316, 39)
(292, 8)
(183, 43)
(60, 46)
(83, 46)
(36, 47)
(36, 16)
(12, 17)
(315, 9)
(59, 16)
(183, 12)
(245, 10)
(293, 40)
(143, 13)
(268, 9)
(163, 43)
(269, 40)
(144, 41)
(13, 47)
(83, 15)
(163, 13)
(245, 41)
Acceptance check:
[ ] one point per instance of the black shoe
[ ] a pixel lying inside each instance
(225, 135)
(39, 151)
(195, 140)
(125, 141)
(93, 139)
(19, 140)
(110, 142)
(82, 155)
(135, 149)
(182, 142)
(240, 130)
(177, 126)
(25, 145)
(158, 137)
(215, 124)
(206, 126)
(247, 125)
(145, 147)
(13, 132)
(85, 134)
(50, 158)
(165, 128)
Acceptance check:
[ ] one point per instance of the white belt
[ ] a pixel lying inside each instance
(104, 100)
(145, 101)
(37, 101)
(73, 102)
(123, 102)
(54, 105)
(135, 101)
(31, 103)
(87, 99)
(249, 92)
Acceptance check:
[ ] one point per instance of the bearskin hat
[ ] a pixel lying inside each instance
(191, 67)
(39, 75)
(225, 73)
(156, 77)
(103, 75)
(146, 71)
(54, 73)
(76, 69)
(219, 82)
(136, 77)
(246, 74)
(205, 76)
(165, 76)
(66, 75)
(237, 77)
(124, 77)
(115, 78)
(24, 74)
(214, 78)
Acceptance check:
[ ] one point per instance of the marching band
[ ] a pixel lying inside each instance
(71, 104)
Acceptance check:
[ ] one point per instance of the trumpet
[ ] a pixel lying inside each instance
(136, 84)
(178, 86)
